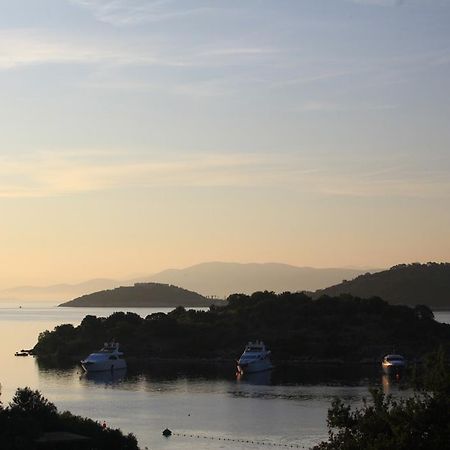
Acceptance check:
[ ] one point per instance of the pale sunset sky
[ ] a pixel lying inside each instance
(138, 135)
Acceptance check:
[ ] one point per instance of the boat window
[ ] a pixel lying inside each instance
(113, 357)
(253, 349)
(394, 358)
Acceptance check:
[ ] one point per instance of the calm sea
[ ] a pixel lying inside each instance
(207, 407)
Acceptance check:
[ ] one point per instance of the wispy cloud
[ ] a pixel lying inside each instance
(24, 47)
(406, 186)
(233, 51)
(135, 12)
(380, 2)
(330, 107)
(47, 174)
(56, 173)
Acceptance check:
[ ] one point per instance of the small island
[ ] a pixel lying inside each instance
(142, 295)
(293, 325)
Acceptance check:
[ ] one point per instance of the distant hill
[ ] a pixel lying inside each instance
(209, 279)
(57, 292)
(222, 279)
(141, 295)
(407, 284)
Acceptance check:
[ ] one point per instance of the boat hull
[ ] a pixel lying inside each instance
(393, 369)
(254, 366)
(102, 366)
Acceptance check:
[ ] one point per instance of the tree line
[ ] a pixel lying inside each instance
(293, 325)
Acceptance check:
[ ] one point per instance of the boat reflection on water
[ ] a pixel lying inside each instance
(389, 382)
(257, 378)
(106, 377)
(386, 384)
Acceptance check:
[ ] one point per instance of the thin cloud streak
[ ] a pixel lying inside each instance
(50, 174)
(122, 13)
(379, 2)
(24, 47)
(328, 107)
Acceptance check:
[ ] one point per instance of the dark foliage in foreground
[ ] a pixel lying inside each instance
(292, 324)
(420, 422)
(29, 415)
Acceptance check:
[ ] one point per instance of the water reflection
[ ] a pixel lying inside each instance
(258, 378)
(283, 375)
(107, 377)
(45, 365)
(392, 381)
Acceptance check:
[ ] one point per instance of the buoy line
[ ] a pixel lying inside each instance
(242, 441)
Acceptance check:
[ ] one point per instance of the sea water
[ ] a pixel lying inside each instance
(206, 406)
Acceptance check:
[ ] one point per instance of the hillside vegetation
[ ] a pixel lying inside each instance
(292, 324)
(141, 295)
(406, 284)
(29, 416)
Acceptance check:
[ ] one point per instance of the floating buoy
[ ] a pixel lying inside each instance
(167, 433)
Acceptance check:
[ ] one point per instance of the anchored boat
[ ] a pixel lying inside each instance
(393, 364)
(256, 358)
(107, 358)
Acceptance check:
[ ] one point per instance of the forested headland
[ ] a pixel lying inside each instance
(294, 326)
(405, 284)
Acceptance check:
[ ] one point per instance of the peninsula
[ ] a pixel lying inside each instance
(404, 284)
(294, 326)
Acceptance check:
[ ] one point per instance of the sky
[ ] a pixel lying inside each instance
(140, 135)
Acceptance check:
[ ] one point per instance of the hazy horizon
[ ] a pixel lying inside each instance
(148, 134)
(143, 275)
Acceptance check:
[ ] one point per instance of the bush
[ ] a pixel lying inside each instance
(420, 422)
(30, 414)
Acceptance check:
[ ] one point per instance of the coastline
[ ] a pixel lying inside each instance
(140, 362)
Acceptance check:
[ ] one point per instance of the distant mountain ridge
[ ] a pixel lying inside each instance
(209, 279)
(141, 295)
(222, 279)
(407, 284)
(57, 292)
(410, 284)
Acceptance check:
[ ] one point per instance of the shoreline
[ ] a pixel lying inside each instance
(63, 305)
(286, 363)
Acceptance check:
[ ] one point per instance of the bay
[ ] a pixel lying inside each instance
(205, 405)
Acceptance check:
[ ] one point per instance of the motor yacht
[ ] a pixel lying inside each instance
(256, 358)
(107, 358)
(392, 364)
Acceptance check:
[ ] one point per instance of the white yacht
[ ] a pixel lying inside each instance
(393, 364)
(256, 358)
(108, 358)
